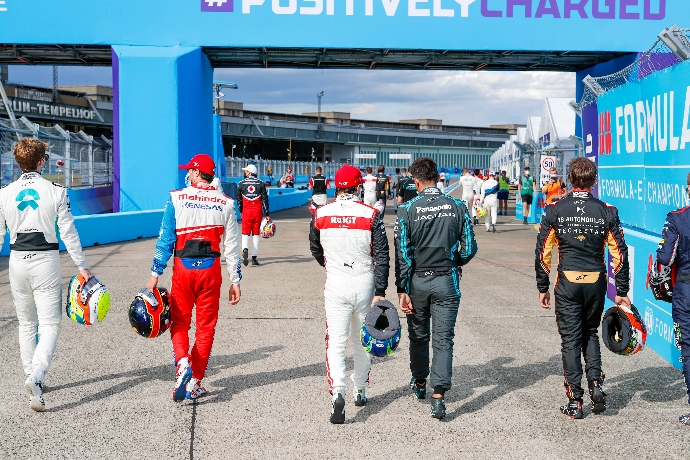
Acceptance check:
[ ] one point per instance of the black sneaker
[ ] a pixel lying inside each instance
(338, 409)
(525, 221)
(685, 419)
(476, 221)
(255, 261)
(438, 408)
(573, 409)
(419, 390)
(493, 228)
(245, 256)
(596, 392)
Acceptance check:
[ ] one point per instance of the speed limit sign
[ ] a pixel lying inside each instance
(547, 164)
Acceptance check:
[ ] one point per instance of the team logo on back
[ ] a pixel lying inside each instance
(251, 189)
(27, 198)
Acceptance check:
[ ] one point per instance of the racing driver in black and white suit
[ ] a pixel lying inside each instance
(34, 209)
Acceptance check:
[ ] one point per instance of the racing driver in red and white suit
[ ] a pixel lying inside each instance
(196, 220)
(252, 201)
(348, 238)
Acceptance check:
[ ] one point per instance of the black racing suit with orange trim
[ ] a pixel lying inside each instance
(581, 226)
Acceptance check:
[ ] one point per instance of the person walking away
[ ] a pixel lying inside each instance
(349, 239)
(674, 250)
(442, 181)
(407, 189)
(581, 226)
(433, 240)
(33, 210)
(555, 188)
(526, 190)
(382, 187)
(489, 199)
(467, 182)
(252, 202)
(503, 193)
(478, 181)
(193, 235)
(319, 185)
(369, 188)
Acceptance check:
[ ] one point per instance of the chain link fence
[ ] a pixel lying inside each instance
(659, 57)
(76, 159)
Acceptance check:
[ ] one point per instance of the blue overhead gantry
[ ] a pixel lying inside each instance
(163, 53)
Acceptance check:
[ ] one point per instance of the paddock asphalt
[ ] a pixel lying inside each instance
(109, 391)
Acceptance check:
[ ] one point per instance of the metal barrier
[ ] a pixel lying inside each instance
(276, 168)
(76, 159)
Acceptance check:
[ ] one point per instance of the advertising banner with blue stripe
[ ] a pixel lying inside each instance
(643, 151)
(656, 313)
(644, 159)
(542, 25)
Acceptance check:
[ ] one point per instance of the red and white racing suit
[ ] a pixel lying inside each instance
(195, 221)
(349, 239)
(252, 201)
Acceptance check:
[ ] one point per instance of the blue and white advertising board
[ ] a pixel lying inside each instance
(543, 25)
(645, 129)
(643, 151)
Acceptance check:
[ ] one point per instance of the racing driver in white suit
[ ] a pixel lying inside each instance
(349, 240)
(33, 208)
(369, 186)
(468, 182)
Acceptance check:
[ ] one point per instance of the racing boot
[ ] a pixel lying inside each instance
(573, 409)
(438, 408)
(596, 393)
(34, 387)
(245, 256)
(195, 389)
(184, 375)
(419, 389)
(360, 397)
(338, 408)
(255, 261)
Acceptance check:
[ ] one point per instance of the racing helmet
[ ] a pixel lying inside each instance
(623, 330)
(661, 278)
(88, 301)
(268, 228)
(481, 211)
(149, 313)
(380, 206)
(380, 332)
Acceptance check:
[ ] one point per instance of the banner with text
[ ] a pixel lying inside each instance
(644, 147)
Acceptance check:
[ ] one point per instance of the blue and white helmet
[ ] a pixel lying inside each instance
(380, 333)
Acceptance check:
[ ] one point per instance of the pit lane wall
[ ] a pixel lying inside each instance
(97, 229)
(640, 137)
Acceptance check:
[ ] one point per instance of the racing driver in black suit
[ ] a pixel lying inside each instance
(581, 226)
(433, 239)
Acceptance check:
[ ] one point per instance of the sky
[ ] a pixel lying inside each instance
(457, 98)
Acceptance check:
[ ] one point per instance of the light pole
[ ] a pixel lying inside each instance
(318, 119)
(217, 85)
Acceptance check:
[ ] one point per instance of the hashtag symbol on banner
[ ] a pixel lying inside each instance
(216, 2)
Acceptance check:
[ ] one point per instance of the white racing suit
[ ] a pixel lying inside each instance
(477, 195)
(489, 198)
(369, 186)
(349, 239)
(467, 182)
(33, 208)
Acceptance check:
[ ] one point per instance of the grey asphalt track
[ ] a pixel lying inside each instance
(109, 391)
